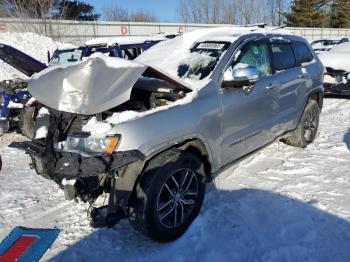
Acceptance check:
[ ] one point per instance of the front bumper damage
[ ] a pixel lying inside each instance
(73, 165)
(88, 177)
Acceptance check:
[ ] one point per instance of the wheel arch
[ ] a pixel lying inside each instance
(316, 95)
(196, 146)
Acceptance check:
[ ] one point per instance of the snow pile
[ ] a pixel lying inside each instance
(338, 58)
(30, 43)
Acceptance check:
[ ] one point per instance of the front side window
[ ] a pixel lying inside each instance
(302, 52)
(282, 56)
(254, 54)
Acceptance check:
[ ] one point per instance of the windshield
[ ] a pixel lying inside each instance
(202, 60)
(192, 56)
(61, 57)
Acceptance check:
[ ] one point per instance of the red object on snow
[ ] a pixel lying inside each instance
(17, 249)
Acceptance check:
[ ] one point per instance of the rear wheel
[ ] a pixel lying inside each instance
(307, 128)
(168, 196)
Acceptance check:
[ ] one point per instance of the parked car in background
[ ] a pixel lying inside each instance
(337, 70)
(325, 45)
(169, 35)
(153, 131)
(14, 95)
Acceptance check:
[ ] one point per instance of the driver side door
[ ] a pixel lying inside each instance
(248, 113)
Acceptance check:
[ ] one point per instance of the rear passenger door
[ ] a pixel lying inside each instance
(290, 80)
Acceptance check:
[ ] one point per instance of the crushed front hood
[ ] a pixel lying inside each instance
(21, 61)
(94, 85)
(88, 87)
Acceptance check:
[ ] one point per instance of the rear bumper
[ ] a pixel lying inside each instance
(72, 165)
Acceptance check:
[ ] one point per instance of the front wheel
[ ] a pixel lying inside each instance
(307, 128)
(168, 196)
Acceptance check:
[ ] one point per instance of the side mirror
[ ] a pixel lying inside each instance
(240, 76)
(48, 57)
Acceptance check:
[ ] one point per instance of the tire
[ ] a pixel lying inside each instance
(4, 126)
(306, 131)
(153, 200)
(26, 122)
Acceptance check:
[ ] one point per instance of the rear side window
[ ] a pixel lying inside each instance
(282, 56)
(302, 52)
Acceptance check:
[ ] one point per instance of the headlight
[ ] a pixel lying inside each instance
(88, 146)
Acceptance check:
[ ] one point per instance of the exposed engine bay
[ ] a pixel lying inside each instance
(50, 161)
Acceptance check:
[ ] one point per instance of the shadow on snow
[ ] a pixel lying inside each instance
(347, 139)
(240, 225)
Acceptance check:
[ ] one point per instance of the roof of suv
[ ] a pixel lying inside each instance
(176, 50)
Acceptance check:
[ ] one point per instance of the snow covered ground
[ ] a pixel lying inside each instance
(282, 204)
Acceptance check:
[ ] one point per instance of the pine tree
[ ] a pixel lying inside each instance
(76, 10)
(340, 16)
(307, 13)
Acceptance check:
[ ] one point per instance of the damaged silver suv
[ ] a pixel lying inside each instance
(152, 132)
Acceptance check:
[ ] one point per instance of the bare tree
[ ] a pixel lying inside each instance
(277, 8)
(115, 13)
(143, 16)
(231, 11)
(35, 9)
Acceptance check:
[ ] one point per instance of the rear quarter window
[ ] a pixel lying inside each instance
(282, 56)
(302, 52)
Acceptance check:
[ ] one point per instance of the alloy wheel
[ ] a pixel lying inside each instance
(177, 198)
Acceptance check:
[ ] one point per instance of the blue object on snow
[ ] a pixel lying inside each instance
(43, 239)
